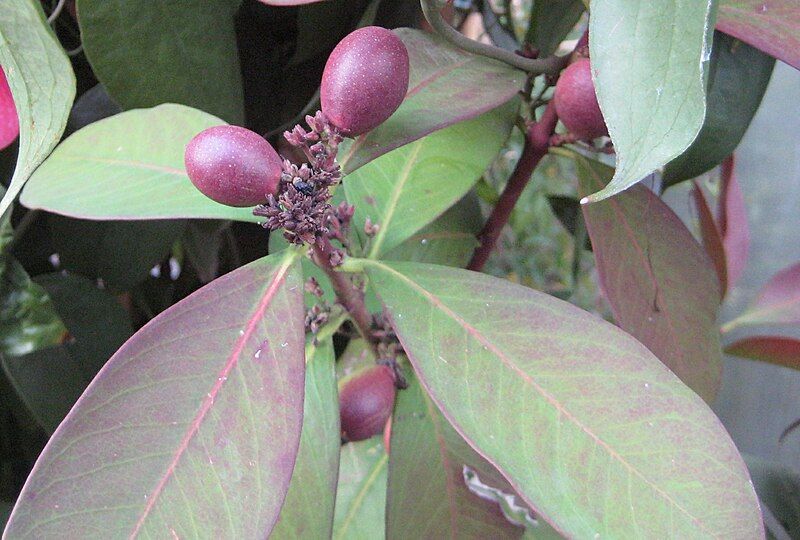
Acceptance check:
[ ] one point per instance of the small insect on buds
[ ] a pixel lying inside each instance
(576, 101)
(366, 400)
(365, 80)
(233, 165)
(9, 121)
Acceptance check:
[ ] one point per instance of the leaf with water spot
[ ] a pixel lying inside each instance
(588, 426)
(192, 427)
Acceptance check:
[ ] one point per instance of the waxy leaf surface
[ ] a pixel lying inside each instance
(649, 61)
(587, 425)
(129, 166)
(737, 79)
(41, 81)
(428, 496)
(780, 350)
(660, 283)
(174, 52)
(361, 491)
(777, 303)
(446, 86)
(308, 509)
(406, 189)
(192, 427)
(770, 25)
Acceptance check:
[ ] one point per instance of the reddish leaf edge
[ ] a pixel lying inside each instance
(711, 236)
(781, 351)
(486, 343)
(289, 259)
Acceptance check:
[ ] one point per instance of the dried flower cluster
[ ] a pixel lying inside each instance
(302, 206)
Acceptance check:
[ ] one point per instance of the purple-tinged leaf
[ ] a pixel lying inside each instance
(659, 281)
(446, 86)
(192, 427)
(588, 426)
(777, 303)
(770, 25)
(780, 350)
(427, 451)
(308, 509)
(712, 238)
(732, 219)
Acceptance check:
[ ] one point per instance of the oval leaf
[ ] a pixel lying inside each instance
(737, 79)
(129, 166)
(438, 169)
(660, 283)
(770, 25)
(192, 427)
(780, 350)
(361, 492)
(174, 52)
(446, 86)
(648, 62)
(588, 426)
(308, 509)
(41, 81)
(427, 451)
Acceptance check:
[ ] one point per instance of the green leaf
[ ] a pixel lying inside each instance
(649, 61)
(28, 319)
(119, 252)
(778, 486)
(449, 240)
(589, 427)
(660, 283)
(550, 23)
(308, 509)
(772, 26)
(737, 79)
(128, 167)
(41, 81)
(193, 426)
(427, 451)
(408, 188)
(361, 491)
(446, 86)
(149, 53)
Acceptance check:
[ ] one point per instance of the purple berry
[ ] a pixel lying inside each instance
(366, 401)
(576, 101)
(365, 80)
(233, 165)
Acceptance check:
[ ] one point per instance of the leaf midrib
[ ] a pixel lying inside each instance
(437, 303)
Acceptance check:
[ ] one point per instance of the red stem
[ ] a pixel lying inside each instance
(347, 294)
(537, 143)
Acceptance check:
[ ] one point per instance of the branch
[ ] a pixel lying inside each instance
(550, 65)
(537, 143)
(347, 294)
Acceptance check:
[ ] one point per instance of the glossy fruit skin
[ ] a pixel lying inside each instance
(9, 121)
(366, 400)
(233, 165)
(576, 101)
(365, 80)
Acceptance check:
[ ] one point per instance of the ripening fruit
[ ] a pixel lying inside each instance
(576, 101)
(365, 80)
(366, 400)
(233, 165)
(9, 121)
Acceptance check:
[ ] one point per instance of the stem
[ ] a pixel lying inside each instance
(347, 294)
(550, 65)
(537, 143)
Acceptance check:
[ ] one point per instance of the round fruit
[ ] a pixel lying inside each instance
(233, 165)
(365, 402)
(576, 101)
(365, 80)
(9, 121)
